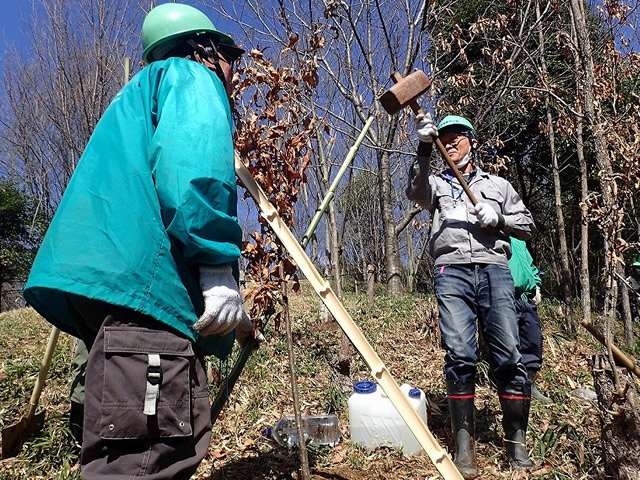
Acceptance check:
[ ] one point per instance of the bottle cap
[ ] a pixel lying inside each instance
(414, 393)
(365, 387)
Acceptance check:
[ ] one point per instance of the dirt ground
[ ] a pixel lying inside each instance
(563, 437)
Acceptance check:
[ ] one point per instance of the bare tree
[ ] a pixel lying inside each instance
(356, 46)
(562, 237)
(585, 283)
(57, 89)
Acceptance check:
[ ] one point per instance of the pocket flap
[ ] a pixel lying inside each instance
(142, 340)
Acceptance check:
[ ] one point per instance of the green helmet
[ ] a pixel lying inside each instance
(165, 23)
(455, 120)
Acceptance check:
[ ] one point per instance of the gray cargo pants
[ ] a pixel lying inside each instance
(146, 400)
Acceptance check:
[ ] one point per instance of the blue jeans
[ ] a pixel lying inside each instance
(470, 291)
(530, 334)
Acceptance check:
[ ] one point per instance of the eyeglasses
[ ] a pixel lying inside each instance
(455, 142)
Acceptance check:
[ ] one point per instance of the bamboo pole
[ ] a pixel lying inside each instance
(127, 69)
(334, 185)
(441, 460)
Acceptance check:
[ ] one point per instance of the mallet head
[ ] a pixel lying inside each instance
(405, 91)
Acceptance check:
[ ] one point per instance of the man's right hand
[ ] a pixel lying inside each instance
(487, 216)
(425, 128)
(538, 296)
(222, 302)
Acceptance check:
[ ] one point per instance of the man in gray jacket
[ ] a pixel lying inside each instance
(470, 246)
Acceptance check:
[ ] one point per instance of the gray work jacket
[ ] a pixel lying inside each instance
(456, 235)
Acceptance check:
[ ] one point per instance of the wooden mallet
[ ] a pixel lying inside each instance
(405, 93)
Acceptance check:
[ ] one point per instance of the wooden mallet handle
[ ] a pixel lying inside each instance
(396, 77)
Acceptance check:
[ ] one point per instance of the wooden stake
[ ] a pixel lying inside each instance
(304, 459)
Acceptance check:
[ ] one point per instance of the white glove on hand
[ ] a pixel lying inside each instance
(425, 128)
(222, 302)
(245, 329)
(487, 216)
(538, 297)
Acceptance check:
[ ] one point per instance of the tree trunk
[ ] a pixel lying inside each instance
(600, 150)
(619, 420)
(585, 282)
(335, 250)
(363, 258)
(626, 309)
(566, 281)
(611, 229)
(344, 346)
(371, 284)
(392, 262)
(327, 272)
(411, 260)
(333, 246)
(313, 242)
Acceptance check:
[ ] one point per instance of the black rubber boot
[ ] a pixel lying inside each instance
(535, 393)
(515, 401)
(461, 407)
(76, 421)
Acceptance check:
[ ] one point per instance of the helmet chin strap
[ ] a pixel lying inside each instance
(210, 55)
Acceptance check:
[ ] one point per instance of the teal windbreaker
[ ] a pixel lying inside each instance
(524, 272)
(152, 198)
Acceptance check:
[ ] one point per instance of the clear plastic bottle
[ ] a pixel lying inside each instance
(584, 394)
(318, 430)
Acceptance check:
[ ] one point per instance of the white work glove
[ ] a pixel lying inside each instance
(538, 297)
(246, 329)
(487, 216)
(222, 302)
(425, 128)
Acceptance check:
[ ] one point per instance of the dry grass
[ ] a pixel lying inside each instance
(563, 437)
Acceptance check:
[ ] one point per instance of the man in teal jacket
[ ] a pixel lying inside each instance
(137, 261)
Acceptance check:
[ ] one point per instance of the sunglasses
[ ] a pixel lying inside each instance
(229, 53)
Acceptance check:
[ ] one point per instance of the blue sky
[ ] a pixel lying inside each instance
(15, 15)
(15, 18)
(11, 13)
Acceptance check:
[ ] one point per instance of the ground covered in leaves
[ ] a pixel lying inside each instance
(563, 437)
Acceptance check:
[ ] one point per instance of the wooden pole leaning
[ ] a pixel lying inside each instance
(620, 356)
(441, 460)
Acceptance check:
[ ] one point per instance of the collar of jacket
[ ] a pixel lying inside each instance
(476, 172)
(474, 176)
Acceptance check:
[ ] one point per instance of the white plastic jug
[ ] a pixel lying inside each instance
(374, 421)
